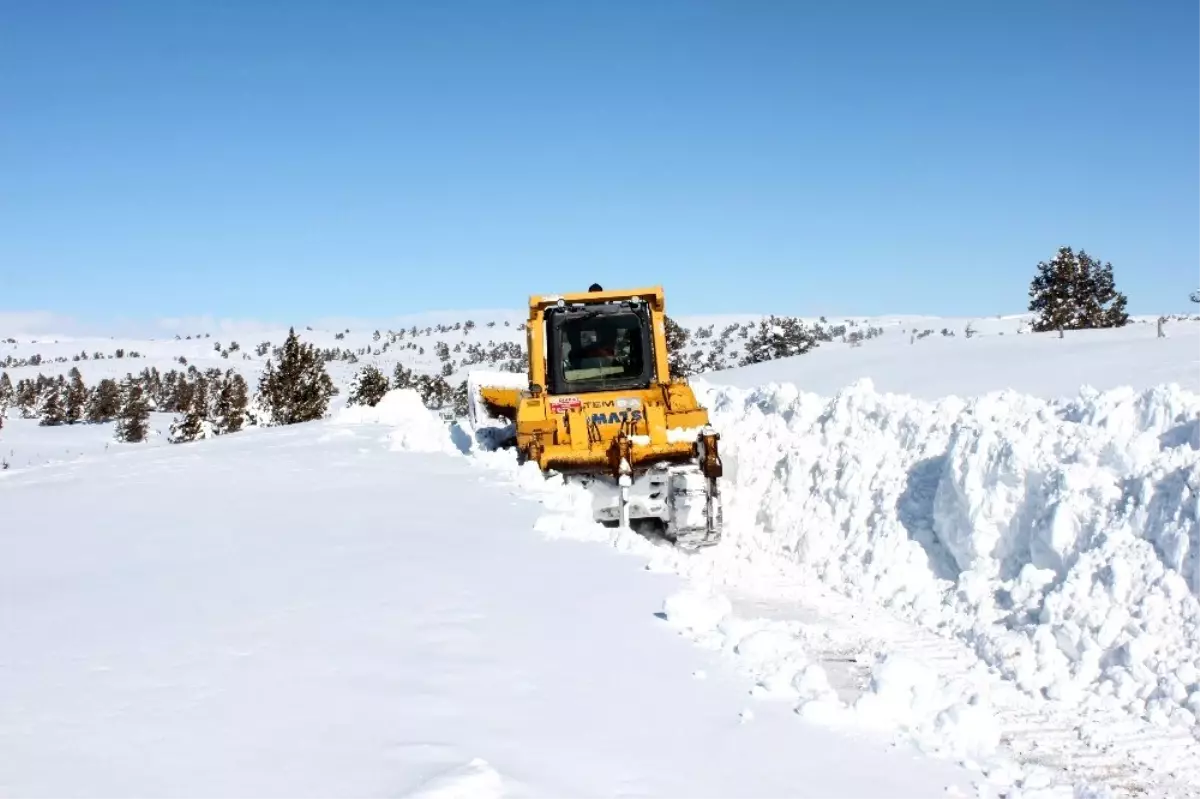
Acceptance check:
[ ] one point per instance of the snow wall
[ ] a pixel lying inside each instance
(1059, 539)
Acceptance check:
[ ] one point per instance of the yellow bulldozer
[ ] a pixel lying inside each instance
(600, 407)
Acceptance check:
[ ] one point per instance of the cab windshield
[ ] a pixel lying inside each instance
(598, 350)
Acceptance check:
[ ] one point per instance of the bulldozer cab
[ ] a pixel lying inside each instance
(598, 348)
(597, 341)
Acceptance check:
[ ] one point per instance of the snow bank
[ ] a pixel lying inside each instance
(783, 657)
(1058, 539)
(1049, 549)
(415, 428)
(1051, 543)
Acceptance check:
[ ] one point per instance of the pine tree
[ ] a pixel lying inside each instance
(6, 390)
(434, 391)
(258, 414)
(180, 398)
(1075, 292)
(299, 389)
(230, 410)
(402, 378)
(677, 341)
(780, 337)
(133, 419)
(1109, 304)
(76, 397)
(152, 384)
(461, 398)
(105, 402)
(368, 387)
(194, 424)
(52, 412)
(26, 398)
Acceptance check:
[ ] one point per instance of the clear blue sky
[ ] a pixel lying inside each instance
(292, 159)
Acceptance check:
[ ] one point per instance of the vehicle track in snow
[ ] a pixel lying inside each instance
(1068, 745)
(1050, 745)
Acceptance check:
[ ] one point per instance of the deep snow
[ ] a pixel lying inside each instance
(330, 609)
(1007, 580)
(1034, 558)
(1057, 540)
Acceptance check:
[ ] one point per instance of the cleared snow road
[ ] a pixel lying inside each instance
(299, 611)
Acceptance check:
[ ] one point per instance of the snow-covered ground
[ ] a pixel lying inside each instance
(353, 608)
(988, 549)
(998, 357)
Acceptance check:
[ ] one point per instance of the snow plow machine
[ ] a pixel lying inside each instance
(599, 407)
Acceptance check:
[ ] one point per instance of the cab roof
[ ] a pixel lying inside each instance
(652, 295)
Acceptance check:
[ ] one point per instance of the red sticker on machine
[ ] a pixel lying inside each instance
(561, 404)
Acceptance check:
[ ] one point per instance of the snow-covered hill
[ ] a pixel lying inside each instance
(447, 345)
(443, 346)
(988, 548)
(996, 358)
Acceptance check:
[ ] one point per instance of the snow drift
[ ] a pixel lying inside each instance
(1058, 539)
(1054, 542)
(414, 428)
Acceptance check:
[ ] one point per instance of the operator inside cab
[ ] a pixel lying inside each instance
(600, 346)
(592, 345)
(603, 346)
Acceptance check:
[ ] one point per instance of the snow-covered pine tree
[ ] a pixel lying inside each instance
(677, 341)
(152, 384)
(258, 414)
(180, 398)
(715, 361)
(780, 337)
(434, 391)
(230, 408)
(368, 386)
(460, 399)
(104, 403)
(76, 398)
(51, 411)
(6, 390)
(25, 398)
(169, 389)
(298, 389)
(214, 376)
(1075, 292)
(133, 418)
(194, 424)
(402, 378)
(1106, 305)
